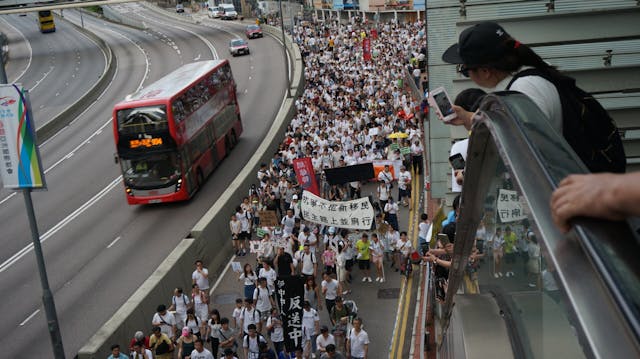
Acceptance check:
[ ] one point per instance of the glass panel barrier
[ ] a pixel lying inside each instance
(571, 295)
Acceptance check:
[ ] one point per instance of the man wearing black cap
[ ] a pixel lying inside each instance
(490, 57)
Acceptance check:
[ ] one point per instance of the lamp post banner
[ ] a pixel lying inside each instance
(20, 164)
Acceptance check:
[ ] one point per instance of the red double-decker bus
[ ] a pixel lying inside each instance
(172, 134)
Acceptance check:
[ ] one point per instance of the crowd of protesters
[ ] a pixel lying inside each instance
(344, 117)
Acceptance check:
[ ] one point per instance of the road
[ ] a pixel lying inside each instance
(97, 248)
(57, 67)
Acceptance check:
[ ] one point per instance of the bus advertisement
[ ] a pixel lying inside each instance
(172, 134)
(45, 21)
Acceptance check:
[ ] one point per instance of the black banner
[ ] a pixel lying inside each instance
(340, 175)
(290, 296)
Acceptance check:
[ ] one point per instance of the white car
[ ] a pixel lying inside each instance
(238, 47)
(215, 12)
(179, 8)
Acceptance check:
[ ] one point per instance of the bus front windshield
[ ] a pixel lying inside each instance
(152, 171)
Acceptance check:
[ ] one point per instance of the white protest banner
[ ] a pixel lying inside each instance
(356, 214)
(509, 206)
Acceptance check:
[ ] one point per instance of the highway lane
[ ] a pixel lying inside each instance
(57, 67)
(99, 249)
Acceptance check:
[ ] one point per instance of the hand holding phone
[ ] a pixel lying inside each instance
(457, 161)
(439, 99)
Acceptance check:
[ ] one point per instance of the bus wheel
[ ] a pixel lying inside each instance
(234, 139)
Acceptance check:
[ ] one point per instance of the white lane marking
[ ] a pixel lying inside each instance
(214, 53)
(8, 197)
(17, 79)
(114, 242)
(42, 78)
(24, 251)
(29, 317)
(197, 58)
(226, 268)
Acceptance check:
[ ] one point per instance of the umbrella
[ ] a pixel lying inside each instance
(398, 135)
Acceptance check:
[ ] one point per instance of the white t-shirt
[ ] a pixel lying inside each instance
(180, 303)
(201, 280)
(357, 342)
(542, 92)
(249, 316)
(206, 354)
(271, 276)
(331, 289)
(261, 299)
(277, 334)
(166, 321)
(461, 148)
(322, 342)
(423, 230)
(288, 223)
(309, 319)
(404, 179)
(308, 260)
(147, 352)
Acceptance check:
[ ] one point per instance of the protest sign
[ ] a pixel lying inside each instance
(268, 218)
(355, 214)
(290, 297)
(509, 206)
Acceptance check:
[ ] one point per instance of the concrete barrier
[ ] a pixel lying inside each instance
(208, 239)
(74, 110)
(121, 18)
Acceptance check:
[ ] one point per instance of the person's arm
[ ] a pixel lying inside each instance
(180, 348)
(366, 351)
(604, 195)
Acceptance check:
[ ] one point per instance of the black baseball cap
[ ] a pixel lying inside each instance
(479, 44)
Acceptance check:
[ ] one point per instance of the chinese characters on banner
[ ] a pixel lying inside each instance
(20, 165)
(509, 206)
(305, 174)
(290, 296)
(356, 214)
(366, 49)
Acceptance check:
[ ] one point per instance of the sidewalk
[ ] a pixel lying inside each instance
(377, 302)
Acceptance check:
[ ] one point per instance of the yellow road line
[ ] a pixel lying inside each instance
(403, 303)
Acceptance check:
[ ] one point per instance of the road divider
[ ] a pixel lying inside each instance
(208, 240)
(60, 121)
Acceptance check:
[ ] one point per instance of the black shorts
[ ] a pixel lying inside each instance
(510, 257)
(348, 264)
(404, 193)
(244, 235)
(364, 264)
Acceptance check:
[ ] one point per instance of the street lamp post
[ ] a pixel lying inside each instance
(284, 50)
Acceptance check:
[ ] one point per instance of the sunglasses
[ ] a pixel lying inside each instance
(464, 69)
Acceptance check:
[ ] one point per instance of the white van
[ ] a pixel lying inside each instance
(229, 12)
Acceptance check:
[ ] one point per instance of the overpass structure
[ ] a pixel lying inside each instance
(22, 6)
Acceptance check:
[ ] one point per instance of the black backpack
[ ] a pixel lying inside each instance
(586, 125)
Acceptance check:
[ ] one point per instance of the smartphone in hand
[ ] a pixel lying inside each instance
(457, 161)
(439, 99)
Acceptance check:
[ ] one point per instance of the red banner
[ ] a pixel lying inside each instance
(305, 175)
(374, 34)
(366, 49)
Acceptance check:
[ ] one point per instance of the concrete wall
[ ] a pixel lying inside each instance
(177, 267)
